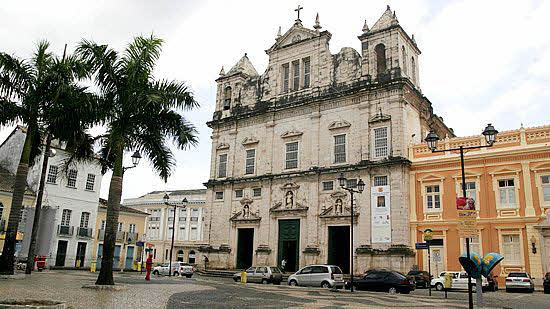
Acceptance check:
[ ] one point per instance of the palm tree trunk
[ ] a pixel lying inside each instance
(7, 259)
(37, 209)
(113, 208)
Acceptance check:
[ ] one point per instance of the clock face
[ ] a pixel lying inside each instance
(296, 38)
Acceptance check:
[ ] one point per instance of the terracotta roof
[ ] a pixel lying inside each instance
(7, 181)
(103, 205)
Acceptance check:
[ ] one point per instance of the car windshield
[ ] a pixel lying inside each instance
(275, 270)
(335, 270)
(518, 275)
(399, 275)
(413, 272)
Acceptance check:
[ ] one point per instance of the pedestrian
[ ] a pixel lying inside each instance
(149, 266)
(283, 264)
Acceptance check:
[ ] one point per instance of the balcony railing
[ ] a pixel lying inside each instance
(121, 236)
(101, 234)
(84, 232)
(65, 230)
(132, 237)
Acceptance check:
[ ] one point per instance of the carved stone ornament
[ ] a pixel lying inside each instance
(339, 124)
(339, 210)
(222, 146)
(288, 204)
(380, 117)
(291, 133)
(249, 140)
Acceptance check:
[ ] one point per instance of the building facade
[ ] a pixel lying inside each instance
(69, 202)
(130, 231)
(281, 139)
(511, 185)
(189, 223)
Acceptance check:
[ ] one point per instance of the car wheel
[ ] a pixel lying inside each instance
(532, 290)
(547, 290)
(156, 272)
(264, 281)
(392, 290)
(236, 279)
(325, 285)
(293, 283)
(439, 287)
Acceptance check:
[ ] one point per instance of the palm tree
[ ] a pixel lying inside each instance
(140, 115)
(37, 93)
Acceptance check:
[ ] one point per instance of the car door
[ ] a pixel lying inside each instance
(304, 276)
(462, 282)
(369, 281)
(259, 274)
(250, 274)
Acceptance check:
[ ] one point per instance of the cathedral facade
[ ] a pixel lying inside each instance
(281, 139)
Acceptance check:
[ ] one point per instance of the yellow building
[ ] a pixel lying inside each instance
(511, 185)
(131, 225)
(7, 181)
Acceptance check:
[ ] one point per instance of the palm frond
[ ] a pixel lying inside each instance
(102, 61)
(172, 94)
(153, 146)
(140, 57)
(11, 112)
(16, 76)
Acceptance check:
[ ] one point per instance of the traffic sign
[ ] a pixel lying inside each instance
(422, 245)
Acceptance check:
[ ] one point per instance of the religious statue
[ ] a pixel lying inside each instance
(289, 199)
(246, 211)
(338, 206)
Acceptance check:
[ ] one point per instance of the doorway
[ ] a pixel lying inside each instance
(116, 259)
(61, 253)
(80, 254)
(129, 257)
(289, 245)
(339, 247)
(245, 248)
(180, 256)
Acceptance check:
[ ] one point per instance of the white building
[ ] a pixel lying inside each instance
(188, 237)
(70, 200)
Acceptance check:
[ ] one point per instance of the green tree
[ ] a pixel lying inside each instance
(140, 114)
(38, 93)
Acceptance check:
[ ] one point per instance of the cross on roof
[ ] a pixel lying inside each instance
(298, 10)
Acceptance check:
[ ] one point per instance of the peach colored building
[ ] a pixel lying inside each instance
(511, 185)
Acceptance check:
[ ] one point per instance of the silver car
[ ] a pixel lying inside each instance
(519, 281)
(326, 276)
(261, 274)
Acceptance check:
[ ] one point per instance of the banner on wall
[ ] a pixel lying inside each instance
(380, 214)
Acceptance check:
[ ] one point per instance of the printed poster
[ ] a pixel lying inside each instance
(380, 214)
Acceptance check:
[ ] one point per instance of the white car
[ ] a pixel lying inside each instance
(520, 281)
(186, 270)
(459, 281)
(163, 269)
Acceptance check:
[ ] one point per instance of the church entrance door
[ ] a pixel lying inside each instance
(338, 247)
(289, 244)
(245, 248)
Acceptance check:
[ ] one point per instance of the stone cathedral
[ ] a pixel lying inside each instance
(281, 139)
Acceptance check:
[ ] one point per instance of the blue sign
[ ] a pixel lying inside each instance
(140, 243)
(422, 245)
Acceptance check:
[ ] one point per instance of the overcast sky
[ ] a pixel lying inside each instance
(481, 61)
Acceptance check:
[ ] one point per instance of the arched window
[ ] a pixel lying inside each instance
(413, 70)
(404, 52)
(227, 98)
(180, 255)
(192, 257)
(380, 51)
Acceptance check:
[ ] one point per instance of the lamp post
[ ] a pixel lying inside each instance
(360, 187)
(166, 198)
(136, 157)
(490, 136)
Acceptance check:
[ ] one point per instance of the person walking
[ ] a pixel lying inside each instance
(149, 267)
(283, 264)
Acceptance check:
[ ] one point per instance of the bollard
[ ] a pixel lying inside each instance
(93, 267)
(244, 277)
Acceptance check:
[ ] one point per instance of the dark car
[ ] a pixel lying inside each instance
(385, 281)
(493, 283)
(422, 278)
(546, 283)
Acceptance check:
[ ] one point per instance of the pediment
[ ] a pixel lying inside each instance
(380, 117)
(222, 146)
(295, 34)
(241, 218)
(249, 140)
(291, 133)
(290, 186)
(541, 167)
(505, 170)
(331, 212)
(339, 124)
(246, 201)
(431, 177)
(466, 174)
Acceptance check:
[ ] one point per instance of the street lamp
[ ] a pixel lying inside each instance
(360, 187)
(490, 134)
(166, 199)
(136, 157)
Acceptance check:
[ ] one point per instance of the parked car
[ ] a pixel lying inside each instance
(520, 281)
(546, 283)
(459, 281)
(421, 278)
(326, 276)
(261, 274)
(385, 281)
(186, 270)
(493, 283)
(163, 269)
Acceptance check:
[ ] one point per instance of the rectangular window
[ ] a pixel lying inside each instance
(511, 248)
(219, 195)
(238, 193)
(194, 233)
(381, 201)
(545, 188)
(328, 185)
(71, 179)
(120, 226)
(296, 75)
(52, 174)
(380, 181)
(351, 183)
(132, 228)
(286, 77)
(182, 233)
(433, 197)
(474, 245)
(507, 192)
(66, 217)
(340, 148)
(291, 155)
(307, 72)
(364, 47)
(256, 192)
(250, 161)
(84, 219)
(102, 224)
(381, 142)
(90, 182)
(470, 191)
(222, 166)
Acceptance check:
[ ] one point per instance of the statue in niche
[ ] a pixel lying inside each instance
(289, 199)
(246, 211)
(338, 206)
